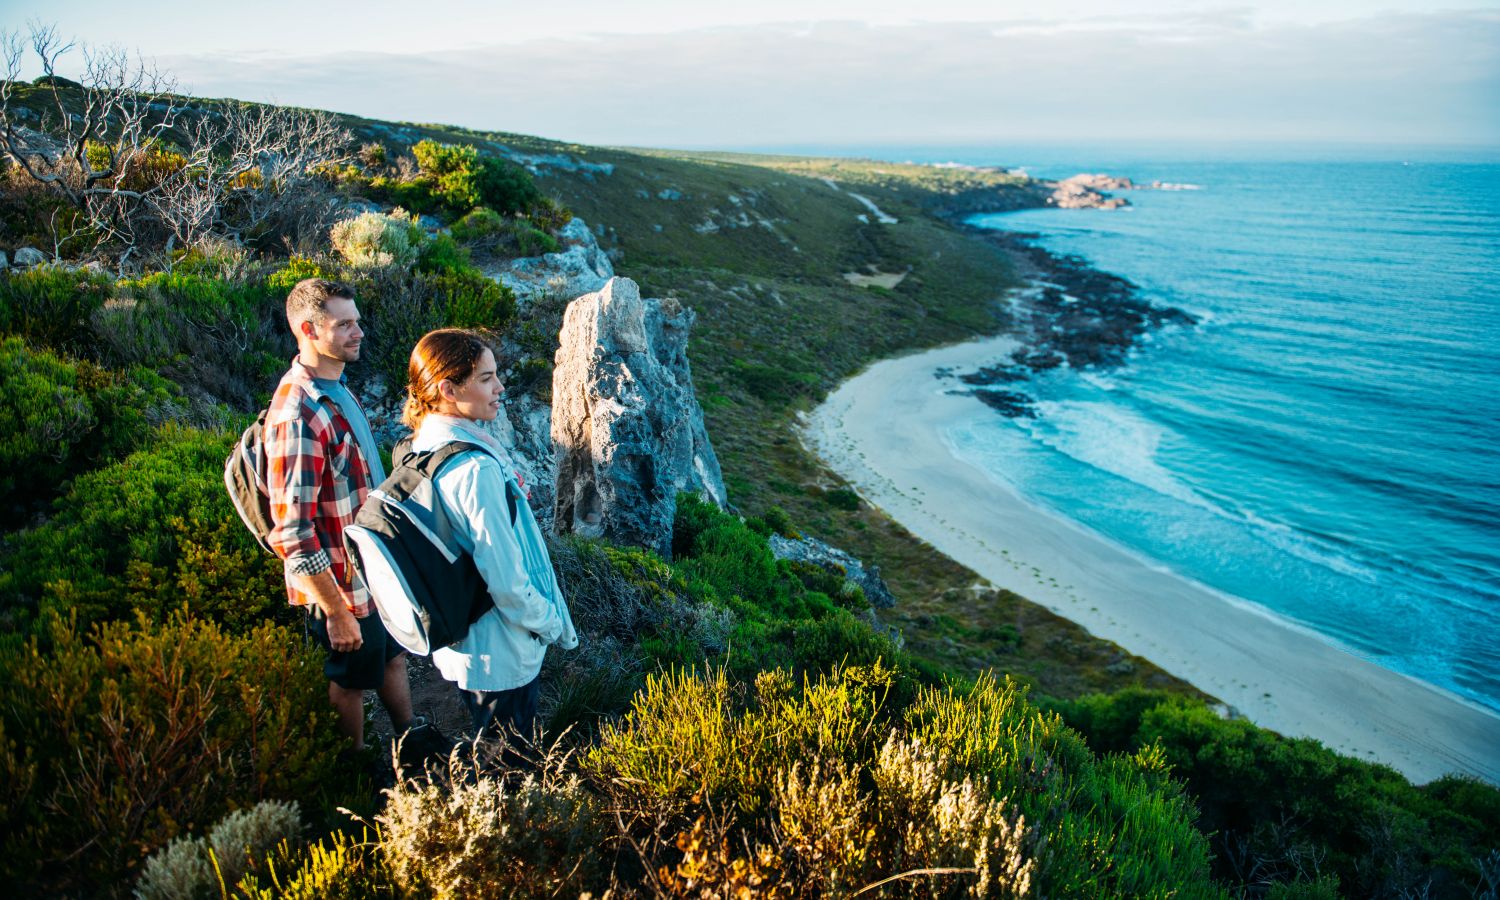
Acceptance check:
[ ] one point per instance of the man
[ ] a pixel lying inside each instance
(322, 461)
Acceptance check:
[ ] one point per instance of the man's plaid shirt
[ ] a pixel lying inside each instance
(317, 478)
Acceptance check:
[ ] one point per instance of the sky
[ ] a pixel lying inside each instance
(839, 72)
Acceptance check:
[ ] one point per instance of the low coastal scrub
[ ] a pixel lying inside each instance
(150, 534)
(61, 417)
(115, 741)
(1286, 810)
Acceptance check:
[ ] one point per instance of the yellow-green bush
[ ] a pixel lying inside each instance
(462, 179)
(336, 868)
(805, 792)
(1116, 826)
(115, 742)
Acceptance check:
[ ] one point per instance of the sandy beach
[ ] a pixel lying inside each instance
(884, 431)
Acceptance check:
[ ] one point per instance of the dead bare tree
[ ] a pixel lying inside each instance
(88, 137)
(146, 170)
(249, 166)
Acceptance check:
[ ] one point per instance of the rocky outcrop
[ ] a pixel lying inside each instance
(1080, 192)
(1099, 181)
(628, 432)
(579, 267)
(30, 256)
(833, 560)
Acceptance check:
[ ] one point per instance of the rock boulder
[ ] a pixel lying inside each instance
(627, 431)
(579, 267)
(831, 559)
(30, 256)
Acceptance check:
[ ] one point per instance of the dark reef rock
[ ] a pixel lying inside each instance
(1010, 404)
(1073, 314)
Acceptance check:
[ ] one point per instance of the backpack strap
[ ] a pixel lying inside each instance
(430, 462)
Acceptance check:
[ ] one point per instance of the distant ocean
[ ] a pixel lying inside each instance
(1326, 443)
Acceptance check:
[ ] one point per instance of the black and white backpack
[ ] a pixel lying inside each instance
(401, 544)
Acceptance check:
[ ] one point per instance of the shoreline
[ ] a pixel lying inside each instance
(1277, 674)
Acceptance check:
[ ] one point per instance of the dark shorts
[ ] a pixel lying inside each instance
(362, 669)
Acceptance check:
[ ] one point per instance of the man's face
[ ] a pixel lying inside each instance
(337, 335)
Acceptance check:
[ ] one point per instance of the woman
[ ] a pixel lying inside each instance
(453, 388)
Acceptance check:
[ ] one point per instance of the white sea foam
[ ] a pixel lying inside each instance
(1110, 438)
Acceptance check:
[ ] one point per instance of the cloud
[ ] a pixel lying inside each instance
(1411, 78)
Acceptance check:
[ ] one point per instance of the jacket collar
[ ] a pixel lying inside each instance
(440, 429)
(303, 377)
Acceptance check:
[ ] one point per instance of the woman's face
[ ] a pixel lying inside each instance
(479, 396)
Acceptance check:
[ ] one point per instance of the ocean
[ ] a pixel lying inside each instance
(1324, 442)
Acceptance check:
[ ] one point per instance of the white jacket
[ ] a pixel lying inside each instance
(504, 648)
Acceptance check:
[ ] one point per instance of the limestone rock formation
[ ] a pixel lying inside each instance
(580, 267)
(832, 559)
(627, 429)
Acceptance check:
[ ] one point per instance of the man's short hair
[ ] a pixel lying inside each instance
(309, 297)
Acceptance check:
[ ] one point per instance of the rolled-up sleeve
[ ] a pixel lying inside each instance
(479, 494)
(294, 472)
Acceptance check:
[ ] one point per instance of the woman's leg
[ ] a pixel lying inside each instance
(505, 715)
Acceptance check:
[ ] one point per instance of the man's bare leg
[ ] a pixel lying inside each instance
(349, 703)
(395, 694)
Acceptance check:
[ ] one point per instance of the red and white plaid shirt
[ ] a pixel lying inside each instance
(317, 478)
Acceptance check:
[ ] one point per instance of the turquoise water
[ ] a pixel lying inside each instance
(1324, 443)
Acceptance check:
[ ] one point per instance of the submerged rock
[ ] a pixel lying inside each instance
(627, 429)
(1010, 404)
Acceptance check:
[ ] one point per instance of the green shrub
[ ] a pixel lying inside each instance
(505, 187)
(151, 533)
(375, 240)
(400, 308)
(61, 417)
(548, 215)
(1117, 826)
(783, 619)
(336, 868)
(773, 384)
(1290, 809)
(116, 743)
(441, 254)
(226, 337)
(470, 300)
(50, 306)
(296, 269)
(534, 242)
(479, 224)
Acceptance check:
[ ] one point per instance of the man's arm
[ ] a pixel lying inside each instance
(295, 460)
(343, 627)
